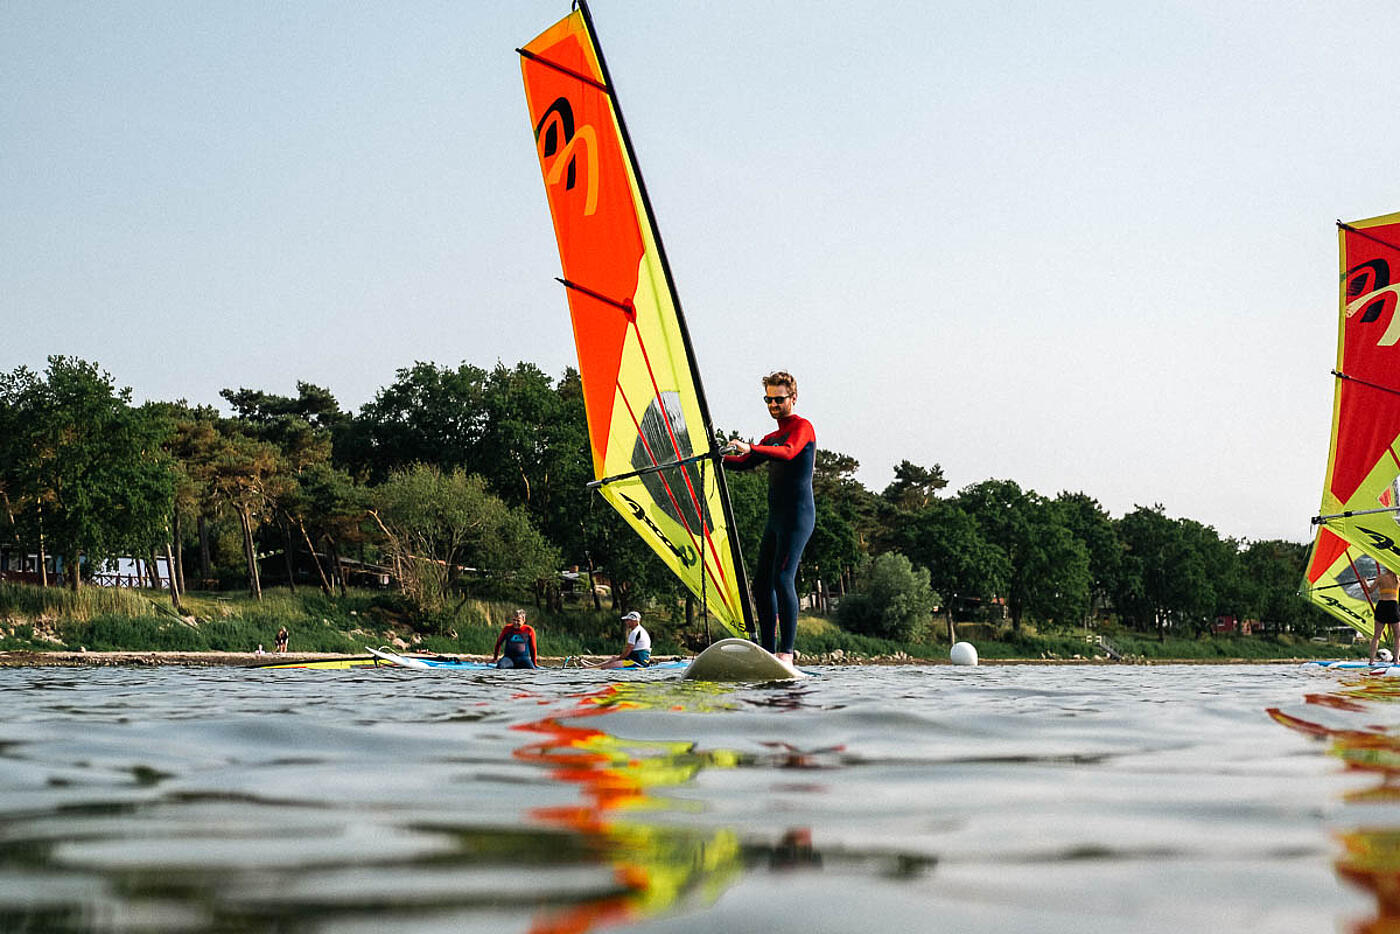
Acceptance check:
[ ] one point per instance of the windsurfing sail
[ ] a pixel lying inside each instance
(1361, 493)
(1338, 578)
(654, 453)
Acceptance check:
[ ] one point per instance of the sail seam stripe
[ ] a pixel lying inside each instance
(1364, 589)
(675, 446)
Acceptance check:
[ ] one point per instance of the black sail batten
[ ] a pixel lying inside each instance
(745, 595)
(568, 71)
(1365, 382)
(1362, 233)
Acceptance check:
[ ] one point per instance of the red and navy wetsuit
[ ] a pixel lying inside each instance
(790, 452)
(519, 642)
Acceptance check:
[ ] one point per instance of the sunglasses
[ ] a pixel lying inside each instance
(776, 400)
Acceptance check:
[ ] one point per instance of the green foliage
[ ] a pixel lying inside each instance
(914, 487)
(1048, 566)
(21, 638)
(847, 516)
(437, 523)
(830, 639)
(1175, 572)
(963, 566)
(79, 466)
(116, 633)
(25, 601)
(893, 601)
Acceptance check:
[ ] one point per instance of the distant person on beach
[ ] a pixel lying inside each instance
(1387, 610)
(636, 652)
(790, 452)
(281, 644)
(516, 644)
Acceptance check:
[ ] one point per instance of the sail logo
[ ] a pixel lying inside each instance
(559, 139)
(1340, 607)
(1370, 294)
(1380, 540)
(686, 556)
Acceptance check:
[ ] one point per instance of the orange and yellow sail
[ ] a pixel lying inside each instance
(1359, 498)
(1339, 579)
(645, 405)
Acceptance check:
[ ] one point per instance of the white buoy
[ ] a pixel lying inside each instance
(963, 653)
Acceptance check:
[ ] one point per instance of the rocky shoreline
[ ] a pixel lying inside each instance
(82, 659)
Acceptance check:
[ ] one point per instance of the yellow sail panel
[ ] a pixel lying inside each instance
(1362, 487)
(644, 402)
(1339, 578)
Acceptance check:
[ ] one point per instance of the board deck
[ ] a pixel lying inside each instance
(452, 664)
(326, 664)
(403, 661)
(384, 658)
(1354, 666)
(740, 660)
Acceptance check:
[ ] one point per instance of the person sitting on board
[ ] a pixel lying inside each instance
(1387, 610)
(518, 639)
(790, 452)
(636, 653)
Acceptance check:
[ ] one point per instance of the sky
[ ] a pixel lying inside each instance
(1085, 246)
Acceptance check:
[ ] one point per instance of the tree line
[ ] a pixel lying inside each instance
(459, 479)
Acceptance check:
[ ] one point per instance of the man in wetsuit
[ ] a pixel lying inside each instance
(790, 452)
(518, 639)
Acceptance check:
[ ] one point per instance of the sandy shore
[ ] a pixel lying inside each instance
(66, 659)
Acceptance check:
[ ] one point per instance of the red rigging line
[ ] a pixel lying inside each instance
(675, 446)
(699, 507)
(646, 446)
(1366, 591)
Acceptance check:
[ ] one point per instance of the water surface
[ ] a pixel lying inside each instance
(1021, 798)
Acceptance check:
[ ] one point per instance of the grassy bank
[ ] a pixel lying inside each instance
(102, 620)
(105, 619)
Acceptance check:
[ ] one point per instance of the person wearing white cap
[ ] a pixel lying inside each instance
(637, 652)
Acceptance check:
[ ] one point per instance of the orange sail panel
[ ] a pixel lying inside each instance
(643, 398)
(1363, 468)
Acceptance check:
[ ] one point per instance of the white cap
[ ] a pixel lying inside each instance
(633, 615)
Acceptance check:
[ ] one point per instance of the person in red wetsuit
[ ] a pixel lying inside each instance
(518, 639)
(790, 451)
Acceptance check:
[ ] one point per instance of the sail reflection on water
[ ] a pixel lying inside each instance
(657, 868)
(1346, 718)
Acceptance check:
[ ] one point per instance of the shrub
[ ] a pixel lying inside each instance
(893, 600)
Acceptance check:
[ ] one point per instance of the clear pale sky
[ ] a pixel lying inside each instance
(1083, 246)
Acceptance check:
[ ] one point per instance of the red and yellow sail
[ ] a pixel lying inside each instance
(1359, 496)
(645, 405)
(1338, 578)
